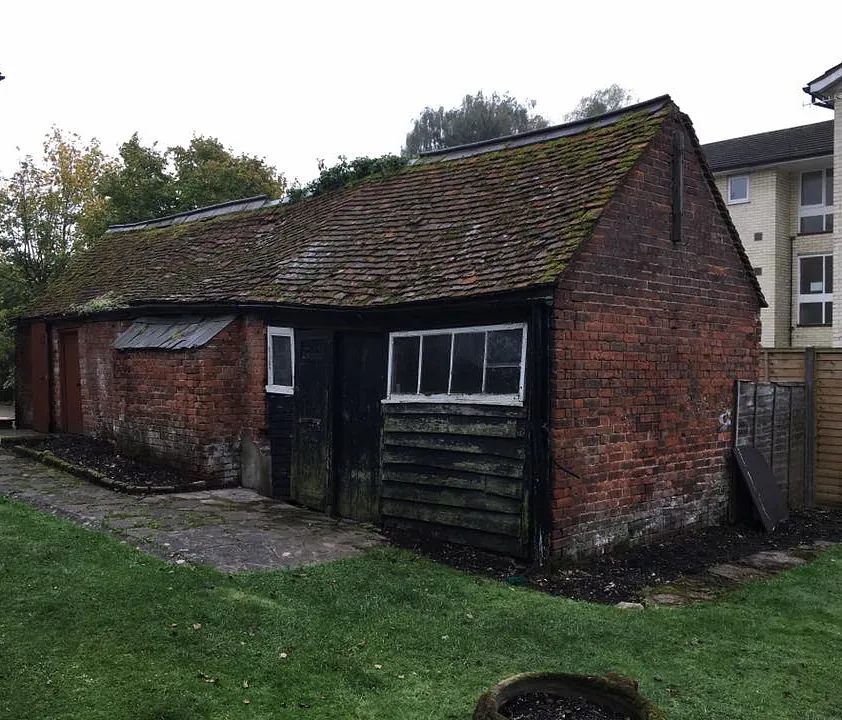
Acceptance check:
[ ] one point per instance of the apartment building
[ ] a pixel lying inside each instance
(779, 190)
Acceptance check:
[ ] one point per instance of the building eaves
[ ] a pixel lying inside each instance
(819, 88)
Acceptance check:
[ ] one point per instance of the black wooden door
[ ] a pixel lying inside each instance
(361, 384)
(312, 436)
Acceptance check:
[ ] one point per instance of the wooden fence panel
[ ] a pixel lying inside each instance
(821, 370)
(771, 417)
(782, 365)
(828, 383)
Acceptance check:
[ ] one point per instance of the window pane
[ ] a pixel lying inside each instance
(738, 188)
(504, 347)
(281, 361)
(828, 187)
(468, 349)
(435, 364)
(502, 380)
(828, 222)
(828, 313)
(811, 224)
(405, 365)
(812, 275)
(811, 187)
(828, 273)
(810, 314)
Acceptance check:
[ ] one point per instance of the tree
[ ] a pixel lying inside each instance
(206, 173)
(148, 183)
(601, 101)
(477, 118)
(48, 210)
(139, 186)
(346, 173)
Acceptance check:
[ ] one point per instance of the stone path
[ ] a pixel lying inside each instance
(234, 530)
(707, 585)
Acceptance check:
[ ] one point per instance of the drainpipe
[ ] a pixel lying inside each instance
(791, 284)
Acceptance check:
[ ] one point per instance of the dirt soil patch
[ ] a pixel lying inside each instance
(543, 706)
(103, 458)
(625, 573)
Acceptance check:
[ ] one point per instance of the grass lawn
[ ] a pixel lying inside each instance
(90, 628)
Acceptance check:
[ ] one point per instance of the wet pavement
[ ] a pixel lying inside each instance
(234, 530)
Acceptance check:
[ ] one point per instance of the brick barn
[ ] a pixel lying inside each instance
(528, 344)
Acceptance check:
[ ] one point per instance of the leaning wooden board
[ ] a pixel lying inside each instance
(768, 500)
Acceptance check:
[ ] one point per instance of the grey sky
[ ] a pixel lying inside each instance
(299, 81)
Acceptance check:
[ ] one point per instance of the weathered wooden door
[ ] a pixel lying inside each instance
(71, 383)
(39, 357)
(312, 436)
(361, 383)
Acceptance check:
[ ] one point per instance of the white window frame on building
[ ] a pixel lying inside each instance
(512, 368)
(733, 185)
(285, 387)
(816, 291)
(818, 213)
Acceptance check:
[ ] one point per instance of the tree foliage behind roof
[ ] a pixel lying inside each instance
(149, 183)
(478, 118)
(600, 102)
(346, 173)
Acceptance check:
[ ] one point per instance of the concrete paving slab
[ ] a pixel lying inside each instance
(234, 530)
(773, 560)
(737, 573)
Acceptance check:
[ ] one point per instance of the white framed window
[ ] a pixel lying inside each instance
(815, 290)
(280, 354)
(815, 211)
(481, 364)
(738, 189)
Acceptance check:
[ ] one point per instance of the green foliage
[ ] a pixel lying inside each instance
(7, 354)
(139, 187)
(48, 210)
(601, 101)
(346, 173)
(206, 173)
(477, 118)
(148, 183)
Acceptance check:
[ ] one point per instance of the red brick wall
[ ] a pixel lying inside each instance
(188, 408)
(649, 337)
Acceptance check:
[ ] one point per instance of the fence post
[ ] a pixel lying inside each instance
(809, 425)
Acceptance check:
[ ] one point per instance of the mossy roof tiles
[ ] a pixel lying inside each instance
(488, 223)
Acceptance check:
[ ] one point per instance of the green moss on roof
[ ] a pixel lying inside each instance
(101, 303)
(487, 223)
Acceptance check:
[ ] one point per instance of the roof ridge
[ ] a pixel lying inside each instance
(224, 208)
(542, 134)
(769, 132)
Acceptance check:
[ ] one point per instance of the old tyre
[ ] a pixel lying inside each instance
(614, 692)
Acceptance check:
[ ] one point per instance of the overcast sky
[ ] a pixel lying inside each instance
(293, 82)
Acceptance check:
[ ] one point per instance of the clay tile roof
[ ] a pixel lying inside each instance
(486, 219)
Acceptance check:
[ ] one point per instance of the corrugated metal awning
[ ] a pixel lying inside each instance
(170, 333)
